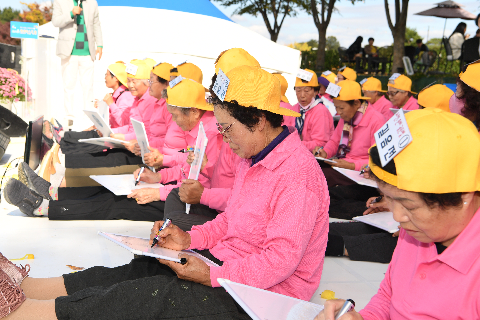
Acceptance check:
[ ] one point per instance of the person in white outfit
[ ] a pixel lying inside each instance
(457, 39)
(79, 42)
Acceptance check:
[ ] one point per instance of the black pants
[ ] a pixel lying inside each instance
(333, 177)
(175, 210)
(143, 289)
(349, 201)
(363, 242)
(98, 203)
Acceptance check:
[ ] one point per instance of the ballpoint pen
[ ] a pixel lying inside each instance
(138, 177)
(165, 224)
(347, 306)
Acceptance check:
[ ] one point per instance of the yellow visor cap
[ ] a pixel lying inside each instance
(118, 70)
(402, 83)
(190, 71)
(188, 94)
(142, 72)
(149, 62)
(436, 96)
(350, 90)
(443, 157)
(163, 70)
(235, 57)
(283, 86)
(312, 83)
(471, 76)
(254, 87)
(372, 84)
(348, 73)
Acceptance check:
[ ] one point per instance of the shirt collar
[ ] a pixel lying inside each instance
(366, 117)
(275, 142)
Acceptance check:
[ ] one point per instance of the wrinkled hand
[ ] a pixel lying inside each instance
(376, 207)
(108, 98)
(90, 128)
(119, 136)
(76, 10)
(191, 191)
(191, 158)
(195, 269)
(145, 195)
(154, 158)
(148, 176)
(137, 150)
(172, 237)
(319, 152)
(332, 307)
(396, 234)
(130, 145)
(99, 51)
(366, 173)
(342, 164)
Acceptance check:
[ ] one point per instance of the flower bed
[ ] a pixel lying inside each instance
(12, 86)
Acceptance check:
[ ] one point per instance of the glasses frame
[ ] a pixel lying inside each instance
(392, 93)
(150, 82)
(223, 131)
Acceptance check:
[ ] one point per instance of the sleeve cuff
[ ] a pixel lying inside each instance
(196, 239)
(130, 136)
(71, 14)
(215, 273)
(100, 47)
(205, 198)
(163, 193)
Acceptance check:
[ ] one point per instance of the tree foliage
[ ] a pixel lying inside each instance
(8, 14)
(273, 12)
(37, 13)
(332, 43)
(411, 36)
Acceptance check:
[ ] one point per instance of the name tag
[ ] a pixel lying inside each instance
(394, 76)
(333, 89)
(175, 81)
(392, 137)
(326, 73)
(221, 85)
(304, 75)
(157, 64)
(342, 68)
(363, 81)
(131, 68)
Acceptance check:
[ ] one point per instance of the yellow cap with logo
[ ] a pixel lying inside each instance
(118, 70)
(436, 96)
(162, 70)
(232, 58)
(188, 94)
(283, 86)
(401, 82)
(303, 83)
(348, 73)
(350, 90)
(372, 84)
(254, 87)
(142, 72)
(443, 157)
(471, 76)
(190, 71)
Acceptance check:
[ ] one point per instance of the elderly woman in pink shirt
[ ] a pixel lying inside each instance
(435, 269)
(372, 88)
(272, 234)
(400, 92)
(353, 135)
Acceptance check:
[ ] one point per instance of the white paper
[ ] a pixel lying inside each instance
(199, 152)
(122, 184)
(363, 81)
(333, 89)
(394, 76)
(99, 122)
(175, 81)
(394, 110)
(105, 142)
(266, 305)
(104, 111)
(141, 246)
(325, 159)
(383, 220)
(330, 106)
(142, 138)
(357, 177)
(304, 75)
(326, 73)
(392, 137)
(221, 85)
(131, 68)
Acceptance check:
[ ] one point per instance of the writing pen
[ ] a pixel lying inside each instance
(377, 199)
(347, 306)
(363, 170)
(186, 150)
(138, 177)
(318, 151)
(165, 224)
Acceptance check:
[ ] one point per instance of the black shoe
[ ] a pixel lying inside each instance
(29, 178)
(18, 194)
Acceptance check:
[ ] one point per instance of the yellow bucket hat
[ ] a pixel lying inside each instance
(188, 94)
(350, 90)
(348, 73)
(372, 84)
(436, 96)
(401, 83)
(118, 70)
(329, 75)
(140, 70)
(443, 156)
(232, 58)
(162, 70)
(150, 62)
(471, 76)
(254, 87)
(190, 71)
(312, 83)
(283, 86)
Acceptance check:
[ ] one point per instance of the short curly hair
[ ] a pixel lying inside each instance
(471, 110)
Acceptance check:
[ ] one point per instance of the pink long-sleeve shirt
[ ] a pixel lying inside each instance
(273, 233)
(160, 121)
(411, 104)
(141, 110)
(383, 106)
(123, 100)
(174, 140)
(318, 126)
(362, 138)
(421, 284)
(288, 120)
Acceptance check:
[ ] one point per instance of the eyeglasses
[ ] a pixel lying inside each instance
(150, 82)
(224, 131)
(392, 93)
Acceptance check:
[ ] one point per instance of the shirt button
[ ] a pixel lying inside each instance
(423, 276)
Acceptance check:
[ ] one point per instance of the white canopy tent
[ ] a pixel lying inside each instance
(163, 35)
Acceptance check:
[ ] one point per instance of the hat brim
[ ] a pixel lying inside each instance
(286, 112)
(393, 86)
(359, 98)
(207, 107)
(284, 99)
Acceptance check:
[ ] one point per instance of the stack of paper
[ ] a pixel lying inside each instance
(382, 220)
(122, 184)
(357, 177)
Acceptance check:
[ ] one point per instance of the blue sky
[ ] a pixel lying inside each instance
(365, 18)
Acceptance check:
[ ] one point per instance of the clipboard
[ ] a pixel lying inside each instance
(105, 142)
(142, 139)
(104, 111)
(355, 176)
(99, 122)
(394, 110)
(382, 220)
(199, 152)
(122, 184)
(325, 159)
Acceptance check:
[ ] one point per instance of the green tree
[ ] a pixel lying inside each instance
(273, 12)
(332, 43)
(398, 30)
(411, 36)
(8, 14)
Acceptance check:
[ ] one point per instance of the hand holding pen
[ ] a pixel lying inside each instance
(165, 224)
(139, 174)
(336, 308)
(171, 237)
